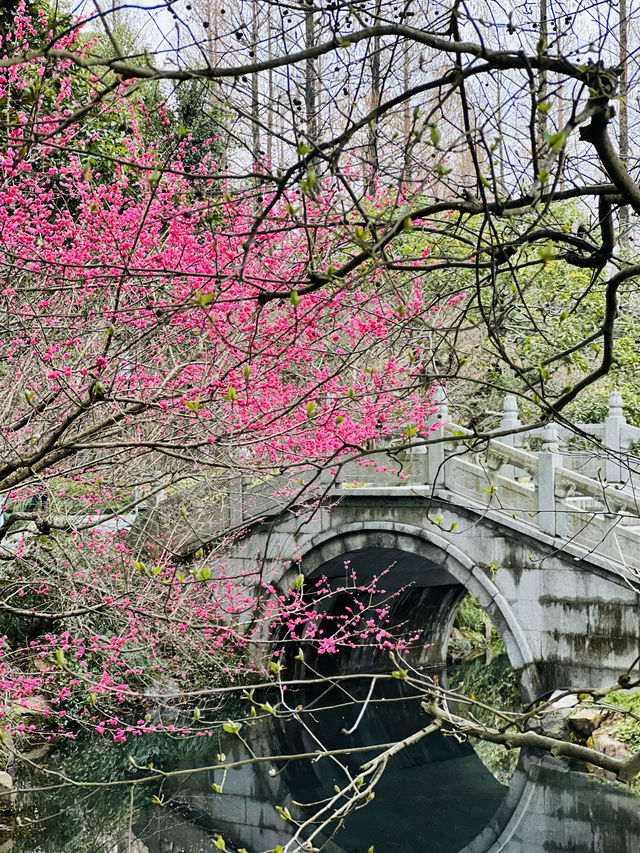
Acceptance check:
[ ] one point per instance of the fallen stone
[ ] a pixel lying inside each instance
(607, 745)
(585, 721)
(568, 701)
(7, 794)
(552, 721)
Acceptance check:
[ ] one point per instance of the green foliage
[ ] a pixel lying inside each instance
(196, 111)
(468, 638)
(629, 700)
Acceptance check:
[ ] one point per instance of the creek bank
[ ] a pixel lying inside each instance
(610, 726)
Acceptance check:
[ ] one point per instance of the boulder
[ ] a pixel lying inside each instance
(552, 721)
(585, 721)
(607, 745)
(7, 794)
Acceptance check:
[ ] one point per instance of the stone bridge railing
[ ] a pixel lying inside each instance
(589, 494)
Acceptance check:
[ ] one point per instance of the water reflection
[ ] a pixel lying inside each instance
(436, 797)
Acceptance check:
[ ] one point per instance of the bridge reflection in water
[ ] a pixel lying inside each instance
(435, 797)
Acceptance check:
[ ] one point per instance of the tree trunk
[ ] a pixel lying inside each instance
(255, 104)
(624, 116)
(310, 77)
(372, 146)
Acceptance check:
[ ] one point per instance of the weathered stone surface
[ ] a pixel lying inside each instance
(553, 721)
(7, 795)
(551, 725)
(585, 721)
(563, 702)
(603, 742)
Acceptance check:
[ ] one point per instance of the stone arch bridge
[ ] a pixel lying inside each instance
(546, 537)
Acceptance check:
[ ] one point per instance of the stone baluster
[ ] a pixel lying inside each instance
(613, 425)
(436, 452)
(510, 421)
(549, 458)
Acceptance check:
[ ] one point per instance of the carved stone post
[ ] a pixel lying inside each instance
(612, 438)
(510, 421)
(549, 459)
(436, 452)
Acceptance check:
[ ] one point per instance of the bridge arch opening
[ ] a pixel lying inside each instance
(424, 581)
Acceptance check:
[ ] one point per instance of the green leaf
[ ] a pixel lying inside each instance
(298, 582)
(284, 812)
(203, 299)
(275, 667)
(219, 843)
(231, 393)
(310, 408)
(300, 655)
(435, 135)
(231, 728)
(60, 658)
(294, 299)
(555, 141)
(400, 674)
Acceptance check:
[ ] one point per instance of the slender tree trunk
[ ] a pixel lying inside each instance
(542, 77)
(255, 103)
(310, 94)
(372, 152)
(624, 116)
(270, 109)
(408, 148)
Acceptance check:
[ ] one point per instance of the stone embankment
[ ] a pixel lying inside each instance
(610, 726)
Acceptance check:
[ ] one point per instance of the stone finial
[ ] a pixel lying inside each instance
(615, 404)
(510, 404)
(510, 419)
(550, 438)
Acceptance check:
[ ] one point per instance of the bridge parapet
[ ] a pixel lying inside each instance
(591, 497)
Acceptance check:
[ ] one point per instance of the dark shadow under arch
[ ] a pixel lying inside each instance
(434, 578)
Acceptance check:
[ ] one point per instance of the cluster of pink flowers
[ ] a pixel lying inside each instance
(149, 321)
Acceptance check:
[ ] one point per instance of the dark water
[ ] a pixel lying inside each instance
(435, 797)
